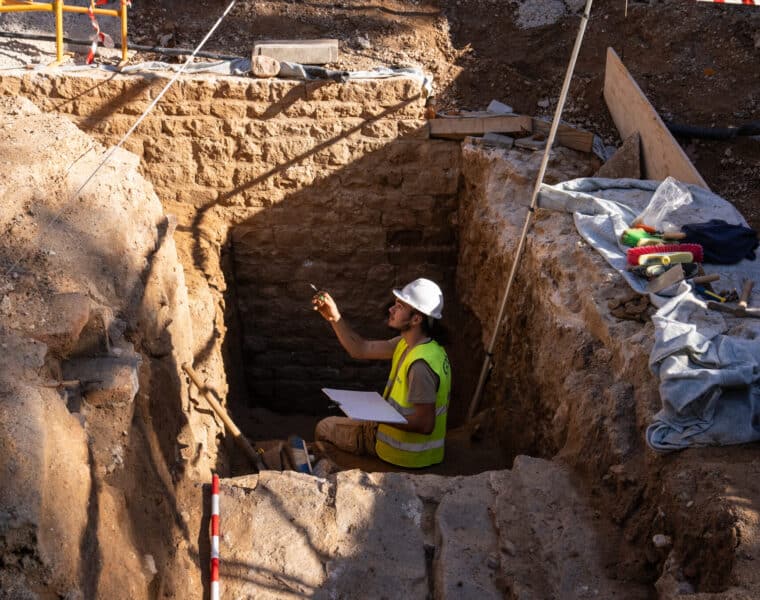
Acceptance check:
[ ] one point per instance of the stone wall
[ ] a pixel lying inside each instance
(278, 184)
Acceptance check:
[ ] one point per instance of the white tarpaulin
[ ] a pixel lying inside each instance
(708, 363)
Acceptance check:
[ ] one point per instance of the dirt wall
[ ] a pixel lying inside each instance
(95, 437)
(569, 377)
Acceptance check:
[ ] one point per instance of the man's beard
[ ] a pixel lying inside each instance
(405, 326)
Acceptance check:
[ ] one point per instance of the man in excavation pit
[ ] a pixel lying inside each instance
(418, 386)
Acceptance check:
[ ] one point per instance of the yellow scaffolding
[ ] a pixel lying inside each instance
(59, 7)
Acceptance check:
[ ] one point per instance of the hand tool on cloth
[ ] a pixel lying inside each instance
(634, 254)
(650, 272)
(741, 309)
(636, 236)
(677, 273)
(665, 258)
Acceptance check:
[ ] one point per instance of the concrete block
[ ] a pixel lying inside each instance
(499, 108)
(307, 52)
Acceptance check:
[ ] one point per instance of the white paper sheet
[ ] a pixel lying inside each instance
(364, 406)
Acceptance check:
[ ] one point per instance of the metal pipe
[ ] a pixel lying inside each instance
(156, 49)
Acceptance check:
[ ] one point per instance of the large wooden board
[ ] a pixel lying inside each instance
(461, 127)
(661, 154)
(567, 135)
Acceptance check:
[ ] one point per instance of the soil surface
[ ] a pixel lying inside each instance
(695, 61)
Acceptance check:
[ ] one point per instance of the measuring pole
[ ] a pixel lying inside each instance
(488, 362)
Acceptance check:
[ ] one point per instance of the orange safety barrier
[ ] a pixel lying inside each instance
(59, 7)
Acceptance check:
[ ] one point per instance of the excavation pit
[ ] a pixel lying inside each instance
(272, 186)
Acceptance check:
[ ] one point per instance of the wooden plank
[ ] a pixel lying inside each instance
(567, 135)
(460, 127)
(632, 112)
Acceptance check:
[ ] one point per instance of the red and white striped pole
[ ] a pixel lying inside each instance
(745, 2)
(215, 537)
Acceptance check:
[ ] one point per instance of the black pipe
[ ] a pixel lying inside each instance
(713, 133)
(156, 49)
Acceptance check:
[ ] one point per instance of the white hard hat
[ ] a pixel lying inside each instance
(423, 295)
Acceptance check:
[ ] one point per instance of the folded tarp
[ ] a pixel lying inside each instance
(708, 363)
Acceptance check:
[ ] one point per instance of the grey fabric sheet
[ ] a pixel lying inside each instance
(708, 363)
(242, 67)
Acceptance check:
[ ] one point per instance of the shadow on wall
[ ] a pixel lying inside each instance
(358, 234)
(365, 216)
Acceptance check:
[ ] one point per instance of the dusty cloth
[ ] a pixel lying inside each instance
(242, 67)
(708, 363)
(349, 435)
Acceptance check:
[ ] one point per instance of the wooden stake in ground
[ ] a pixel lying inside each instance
(225, 417)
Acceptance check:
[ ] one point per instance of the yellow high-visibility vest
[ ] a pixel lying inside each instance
(404, 448)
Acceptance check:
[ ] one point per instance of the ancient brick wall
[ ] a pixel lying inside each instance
(278, 184)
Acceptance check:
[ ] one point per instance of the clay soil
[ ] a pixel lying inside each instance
(695, 61)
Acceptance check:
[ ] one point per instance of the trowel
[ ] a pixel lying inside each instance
(675, 274)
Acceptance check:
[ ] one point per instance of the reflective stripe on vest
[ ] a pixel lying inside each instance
(408, 449)
(404, 410)
(408, 446)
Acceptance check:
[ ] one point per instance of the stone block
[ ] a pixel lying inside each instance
(413, 128)
(66, 317)
(380, 129)
(214, 173)
(203, 127)
(284, 92)
(432, 181)
(166, 175)
(196, 91)
(306, 52)
(105, 380)
(209, 150)
(257, 91)
(264, 67)
(11, 86)
(626, 162)
(289, 237)
(302, 109)
(322, 90)
(334, 155)
(230, 89)
(229, 110)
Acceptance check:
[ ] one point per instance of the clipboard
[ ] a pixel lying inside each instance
(364, 406)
